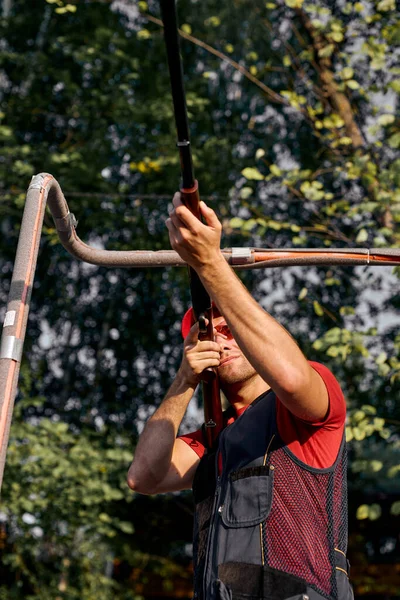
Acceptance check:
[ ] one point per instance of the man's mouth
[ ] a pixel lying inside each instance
(227, 360)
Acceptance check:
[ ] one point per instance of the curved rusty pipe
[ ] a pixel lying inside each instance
(65, 223)
(44, 188)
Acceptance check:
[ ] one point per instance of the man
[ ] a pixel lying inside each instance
(271, 505)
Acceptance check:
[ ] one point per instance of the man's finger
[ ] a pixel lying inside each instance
(178, 223)
(177, 199)
(171, 228)
(206, 356)
(209, 215)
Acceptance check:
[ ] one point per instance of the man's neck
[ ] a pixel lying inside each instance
(244, 393)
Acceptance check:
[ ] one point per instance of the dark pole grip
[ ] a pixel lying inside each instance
(191, 199)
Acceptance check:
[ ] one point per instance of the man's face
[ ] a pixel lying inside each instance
(234, 367)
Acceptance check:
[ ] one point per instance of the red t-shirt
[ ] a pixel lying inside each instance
(316, 444)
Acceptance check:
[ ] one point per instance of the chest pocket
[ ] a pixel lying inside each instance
(248, 497)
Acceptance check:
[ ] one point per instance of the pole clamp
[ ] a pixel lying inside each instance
(11, 347)
(66, 223)
(183, 144)
(36, 182)
(242, 256)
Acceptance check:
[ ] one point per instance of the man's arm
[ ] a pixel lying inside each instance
(266, 344)
(163, 463)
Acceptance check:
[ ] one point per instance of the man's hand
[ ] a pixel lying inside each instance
(198, 356)
(196, 243)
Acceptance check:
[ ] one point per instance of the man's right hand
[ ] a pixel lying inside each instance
(198, 356)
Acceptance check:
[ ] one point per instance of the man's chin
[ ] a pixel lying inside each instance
(229, 376)
(233, 372)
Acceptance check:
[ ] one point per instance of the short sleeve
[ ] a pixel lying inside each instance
(315, 443)
(336, 414)
(195, 441)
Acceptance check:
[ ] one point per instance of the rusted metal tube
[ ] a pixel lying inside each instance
(14, 326)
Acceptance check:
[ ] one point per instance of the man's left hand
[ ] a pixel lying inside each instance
(197, 243)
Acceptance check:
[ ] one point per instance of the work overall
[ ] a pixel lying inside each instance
(269, 526)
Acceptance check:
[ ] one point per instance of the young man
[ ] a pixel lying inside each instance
(271, 505)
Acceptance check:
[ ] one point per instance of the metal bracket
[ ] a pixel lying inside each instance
(242, 256)
(11, 347)
(36, 182)
(65, 223)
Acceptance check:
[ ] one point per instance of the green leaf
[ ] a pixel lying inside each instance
(362, 512)
(312, 190)
(368, 409)
(213, 21)
(375, 512)
(395, 508)
(249, 224)
(381, 358)
(384, 370)
(326, 51)
(358, 416)
(143, 34)
(378, 423)
(386, 119)
(336, 36)
(303, 293)
(275, 170)
(376, 465)
(349, 434)
(353, 84)
(236, 223)
(332, 281)
(359, 434)
(252, 173)
(126, 526)
(294, 3)
(347, 73)
(246, 192)
(394, 140)
(362, 236)
(318, 308)
(386, 5)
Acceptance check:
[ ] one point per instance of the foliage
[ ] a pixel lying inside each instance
(295, 134)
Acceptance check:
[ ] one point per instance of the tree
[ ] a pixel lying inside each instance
(294, 145)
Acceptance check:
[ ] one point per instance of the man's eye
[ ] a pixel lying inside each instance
(224, 330)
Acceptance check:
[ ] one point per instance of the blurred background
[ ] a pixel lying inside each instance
(295, 131)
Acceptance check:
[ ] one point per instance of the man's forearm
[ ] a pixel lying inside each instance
(266, 344)
(155, 447)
